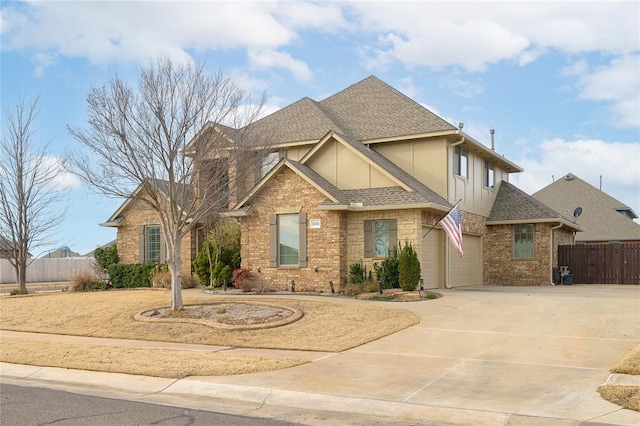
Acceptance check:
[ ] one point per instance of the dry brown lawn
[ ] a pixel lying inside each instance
(326, 326)
(625, 396)
(630, 364)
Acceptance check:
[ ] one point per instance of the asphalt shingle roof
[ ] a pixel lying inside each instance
(513, 204)
(599, 218)
(369, 109)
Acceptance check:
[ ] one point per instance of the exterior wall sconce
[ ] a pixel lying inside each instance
(259, 270)
(315, 268)
(293, 286)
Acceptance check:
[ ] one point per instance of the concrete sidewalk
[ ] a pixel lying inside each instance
(487, 355)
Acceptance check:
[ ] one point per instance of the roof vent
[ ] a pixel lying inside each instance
(568, 177)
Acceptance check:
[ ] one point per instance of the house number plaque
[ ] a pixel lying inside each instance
(314, 223)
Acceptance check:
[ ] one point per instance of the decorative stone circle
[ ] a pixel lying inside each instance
(226, 315)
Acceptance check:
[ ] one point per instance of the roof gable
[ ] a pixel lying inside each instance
(159, 184)
(304, 120)
(371, 109)
(600, 218)
(330, 191)
(513, 205)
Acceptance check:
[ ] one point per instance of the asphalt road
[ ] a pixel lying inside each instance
(38, 406)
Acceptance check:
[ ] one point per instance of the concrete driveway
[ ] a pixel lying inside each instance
(494, 354)
(486, 355)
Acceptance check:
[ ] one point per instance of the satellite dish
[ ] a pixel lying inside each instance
(577, 212)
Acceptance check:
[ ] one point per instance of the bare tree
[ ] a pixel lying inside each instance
(31, 195)
(173, 142)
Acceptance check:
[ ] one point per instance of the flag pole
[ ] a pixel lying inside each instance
(439, 220)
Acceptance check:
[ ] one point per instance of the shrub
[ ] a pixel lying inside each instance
(86, 281)
(105, 257)
(17, 292)
(357, 273)
(221, 249)
(130, 275)
(408, 268)
(161, 278)
(387, 270)
(240, 279)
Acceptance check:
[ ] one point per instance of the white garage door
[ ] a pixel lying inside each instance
(468, 270)
(432, 264)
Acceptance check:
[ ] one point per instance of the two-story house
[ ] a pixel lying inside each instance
(354, 174)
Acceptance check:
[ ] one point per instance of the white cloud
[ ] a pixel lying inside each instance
(461, 87)
(577, 68)
(268, 59)
(588, 159)
(619, 83)
(476, 34)
(62, 180)
(106, 32)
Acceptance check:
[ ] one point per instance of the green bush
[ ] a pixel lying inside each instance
(387, 270)
(357, 273)
(408, 268)
(131, 275)
(105, 257)
(222, 249)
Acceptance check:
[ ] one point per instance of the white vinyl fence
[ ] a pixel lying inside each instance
(47, 269)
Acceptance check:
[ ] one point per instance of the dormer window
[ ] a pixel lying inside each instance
(461, 162)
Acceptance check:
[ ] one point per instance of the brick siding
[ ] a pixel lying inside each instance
(326, 247)
(138, 213)
(501, 268)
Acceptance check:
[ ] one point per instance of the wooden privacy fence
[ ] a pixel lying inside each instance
(47, 269)
(602, 264)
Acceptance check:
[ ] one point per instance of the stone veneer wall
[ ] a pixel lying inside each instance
(326, 247)
(138, 213)
(409, 229)
(500, 268)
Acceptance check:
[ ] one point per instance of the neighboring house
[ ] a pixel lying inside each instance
(59, 253)
(352, 175)
(6, 248)
(109, 244)
(603, 218)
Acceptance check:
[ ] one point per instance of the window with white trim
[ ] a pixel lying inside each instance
(461, 162)
(489, 174)
(523, 236)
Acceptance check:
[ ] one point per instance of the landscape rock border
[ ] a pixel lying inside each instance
(295, 316)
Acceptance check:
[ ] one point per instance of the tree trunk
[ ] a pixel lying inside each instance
(21, 276)
(175, 266)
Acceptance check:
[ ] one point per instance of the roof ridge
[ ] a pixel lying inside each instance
(598, 191)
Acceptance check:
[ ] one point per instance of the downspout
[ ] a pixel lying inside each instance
(447, 275)
(551, 252)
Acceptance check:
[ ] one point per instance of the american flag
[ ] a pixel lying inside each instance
(451, 225)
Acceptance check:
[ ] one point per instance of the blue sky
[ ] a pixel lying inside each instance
(559, 81)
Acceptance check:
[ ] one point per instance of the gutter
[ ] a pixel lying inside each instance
(558, 226)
